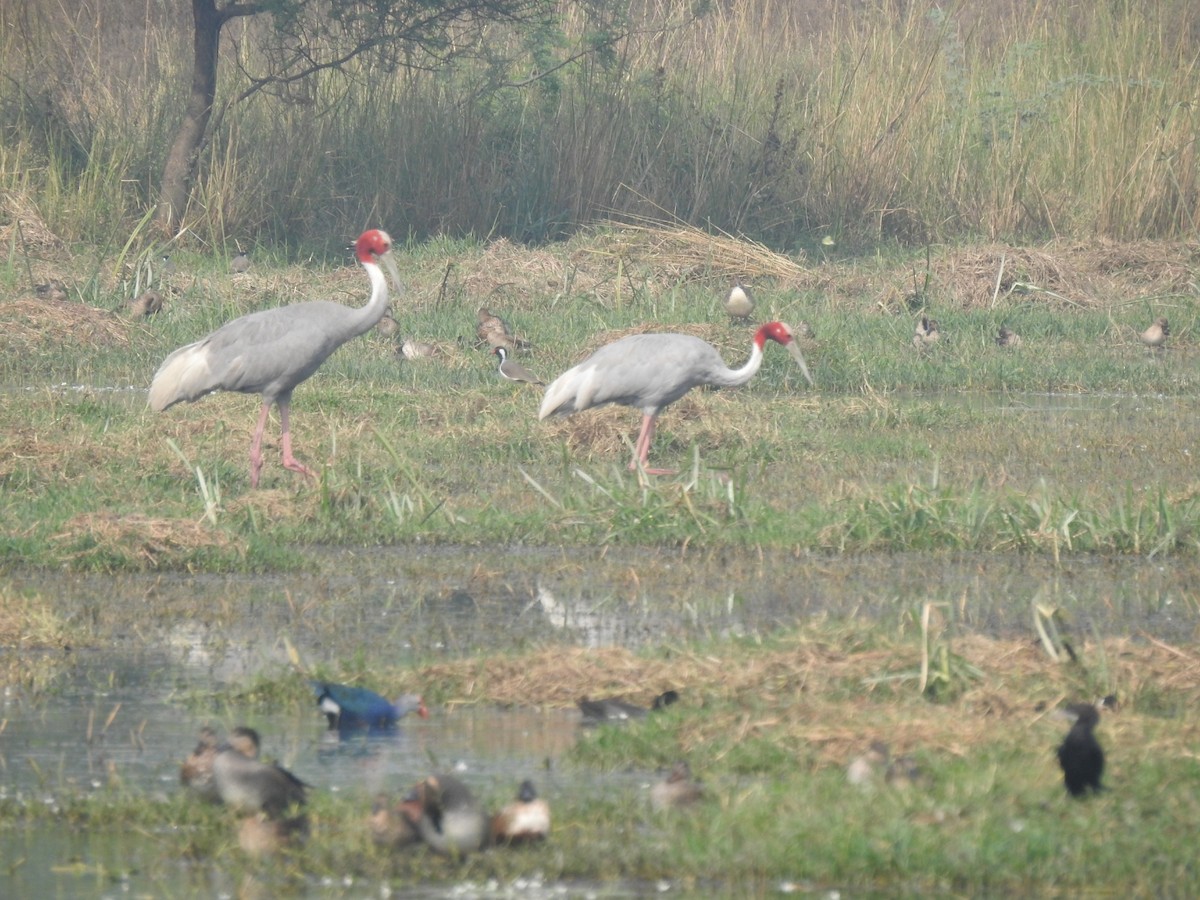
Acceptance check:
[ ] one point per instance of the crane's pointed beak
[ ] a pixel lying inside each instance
(390, 264)
(794, 349)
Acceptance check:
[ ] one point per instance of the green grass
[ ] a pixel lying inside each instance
(1077, 442)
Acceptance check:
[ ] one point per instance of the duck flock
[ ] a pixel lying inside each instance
(442, 813)
(439, 811)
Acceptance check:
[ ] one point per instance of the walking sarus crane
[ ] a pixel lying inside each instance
(271, 351)
(652, 371)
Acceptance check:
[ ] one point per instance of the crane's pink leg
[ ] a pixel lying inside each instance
(256, 459)
(641, 449)
(289, 461)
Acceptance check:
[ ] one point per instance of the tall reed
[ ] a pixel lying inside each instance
(788, 122)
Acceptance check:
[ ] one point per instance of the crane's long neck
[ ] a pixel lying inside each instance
(738, 377)
(367, 317)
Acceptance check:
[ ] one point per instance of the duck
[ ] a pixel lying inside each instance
(864, 769)
(53, 291)
(1080, 755)
(387, 325)
(392, 822)
(616, 710)
(349, 707)
(903, 772)
(526, 819)
(196, 772)
(513, 370)
(413, 349)
(926, 334)
(261, 835)
(1008, 338)
(676, 790)
(250, 786)
(1155, 337)
(146, 304)
(491, 330)
(739, 302)
(447, 816)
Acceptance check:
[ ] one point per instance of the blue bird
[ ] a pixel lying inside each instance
(348, 708)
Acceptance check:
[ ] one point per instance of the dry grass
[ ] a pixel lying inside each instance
(797, 693)
(139, 537)
(22, 225)
(1101, 273)
(684, 253)
(26, 324)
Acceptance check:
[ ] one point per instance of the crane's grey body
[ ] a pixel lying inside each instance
(646, 371)
(271, 351)
(651, 371)
(268, 352)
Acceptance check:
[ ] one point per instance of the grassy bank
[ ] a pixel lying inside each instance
(1075, 442)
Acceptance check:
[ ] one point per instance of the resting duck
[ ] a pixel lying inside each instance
(450, 820)
(196, 773)
(393, 822)
(926, 334)
(248, 785)
(1008, 338)
(349, 708)
(524, 820)
(678, 789)
(616, 710)
(261, 835)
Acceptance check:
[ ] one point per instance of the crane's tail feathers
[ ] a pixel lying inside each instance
(558, 400)
(184, 375)
(794, 349)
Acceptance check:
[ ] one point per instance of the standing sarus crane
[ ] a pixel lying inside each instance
(271, 351)
(652, 371)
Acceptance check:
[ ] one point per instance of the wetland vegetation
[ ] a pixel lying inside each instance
(1077, 445)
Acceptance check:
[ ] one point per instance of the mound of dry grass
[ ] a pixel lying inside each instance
(810, 693)
(139, 537)
(27, 324)
(1096, 274)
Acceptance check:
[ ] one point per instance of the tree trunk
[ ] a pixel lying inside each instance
(180, 168)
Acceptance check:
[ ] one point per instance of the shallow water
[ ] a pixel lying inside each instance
(122, 718)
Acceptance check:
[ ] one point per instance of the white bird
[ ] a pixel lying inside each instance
(739, 302)
(652, 371)
(513, 370)
(271, 351)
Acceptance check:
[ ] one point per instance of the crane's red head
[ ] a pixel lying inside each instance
(371, 245)
(782, 335)
(773, 331)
